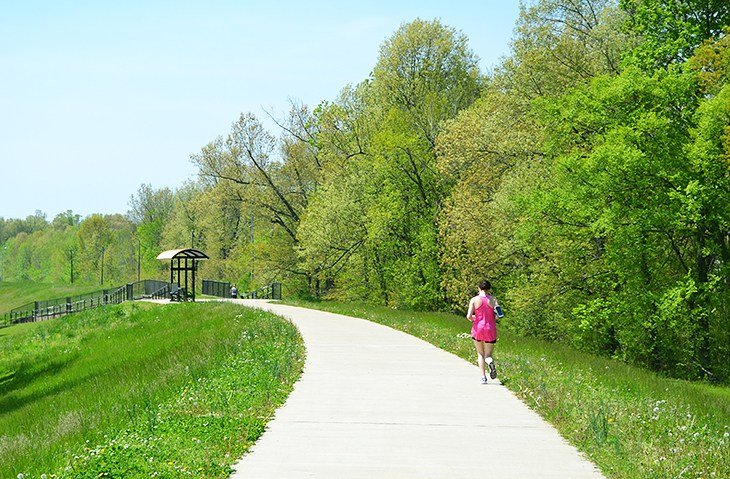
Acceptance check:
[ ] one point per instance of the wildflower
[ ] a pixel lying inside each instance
(20, 476)
(727, 434)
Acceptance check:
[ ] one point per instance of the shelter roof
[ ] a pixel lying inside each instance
(182, 253)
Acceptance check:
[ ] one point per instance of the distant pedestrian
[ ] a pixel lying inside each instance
(234, 292)
(484, 328)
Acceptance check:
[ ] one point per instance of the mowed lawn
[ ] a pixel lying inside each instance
(139, 389)
(629, 421)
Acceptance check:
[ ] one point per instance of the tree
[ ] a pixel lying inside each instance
(63, 220)
(427, 71)
(149, 210)
(424, 76)
(93, 237)
(561, 43)
(273, 184)
(670, 31)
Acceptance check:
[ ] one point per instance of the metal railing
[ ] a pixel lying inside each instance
(148, 288)
(153, 289)
(52, 308)
(270, 291)
(211, 287)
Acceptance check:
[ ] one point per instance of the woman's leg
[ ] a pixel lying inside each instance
(480, 356)
(488, 349)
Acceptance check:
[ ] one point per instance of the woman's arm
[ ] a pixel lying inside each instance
(492, 301)
(470, 311)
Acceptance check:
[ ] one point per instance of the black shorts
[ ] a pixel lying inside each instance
(488, 342)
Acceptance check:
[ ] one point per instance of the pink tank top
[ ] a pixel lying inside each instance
(484, 327)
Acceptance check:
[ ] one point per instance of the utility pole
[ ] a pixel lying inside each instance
(71, 259)
(250, 285)
(2, 261)
(103, 248)
(139, 257)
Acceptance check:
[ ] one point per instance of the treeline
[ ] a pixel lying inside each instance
(95, 250)
(587, 175)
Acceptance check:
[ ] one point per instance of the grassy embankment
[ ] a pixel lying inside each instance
(13, 295)
(631, 422)
(140, 390)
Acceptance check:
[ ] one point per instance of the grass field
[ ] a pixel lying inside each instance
(13, 295)
(630, 422)
(141, 390)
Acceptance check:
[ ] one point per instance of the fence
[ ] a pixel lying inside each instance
(148, 288)
(221, 289)
(52, 308)
(270, 291)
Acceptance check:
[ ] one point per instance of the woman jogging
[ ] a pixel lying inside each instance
(484, 328)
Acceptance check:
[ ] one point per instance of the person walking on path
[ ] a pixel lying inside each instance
(234, 292)
(484, 328)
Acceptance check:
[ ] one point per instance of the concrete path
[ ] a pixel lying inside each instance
(377, 403)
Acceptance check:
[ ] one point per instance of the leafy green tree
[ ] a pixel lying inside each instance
(496, 147)
(425, 75)
(637, 189)
(670, 31)
(93, 238)
(427, 72)
(257, 180)
(150, 209)
(62, 220)
(561, 43)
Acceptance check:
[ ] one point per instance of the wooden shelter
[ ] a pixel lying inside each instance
(186, 260)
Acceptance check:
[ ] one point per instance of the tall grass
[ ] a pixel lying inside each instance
(139, 390)
(630, 422)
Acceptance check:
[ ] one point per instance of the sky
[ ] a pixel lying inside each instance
(97, 98)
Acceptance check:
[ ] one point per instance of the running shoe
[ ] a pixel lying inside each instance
(492, 370)
(484, 380)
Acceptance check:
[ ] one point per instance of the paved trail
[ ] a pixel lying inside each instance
(377, 403)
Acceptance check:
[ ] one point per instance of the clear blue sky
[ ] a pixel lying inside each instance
(97, 98)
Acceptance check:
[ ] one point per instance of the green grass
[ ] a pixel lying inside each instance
(13, 295)
(630, 422)
(141, 390)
